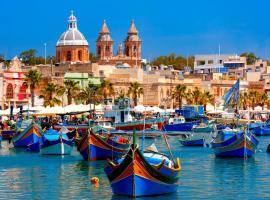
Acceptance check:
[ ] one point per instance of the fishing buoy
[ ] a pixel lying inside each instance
(95, 180)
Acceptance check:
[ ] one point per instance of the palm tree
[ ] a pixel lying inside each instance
(90, 95)
(244, 100)
(206, 98)
(253, 96)
(106, 89)
(179, 93)
(196, 96)
(264, 100)
(32, 79)
(72, 89)
(135, 90)
(50, 94)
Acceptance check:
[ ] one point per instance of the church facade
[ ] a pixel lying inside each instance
(73, 48)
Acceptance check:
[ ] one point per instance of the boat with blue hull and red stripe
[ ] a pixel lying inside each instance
(192, 142)
(55, 143)
(30, 135)
(138, 174)
(140, 125)
(234, 144)
(96, 147)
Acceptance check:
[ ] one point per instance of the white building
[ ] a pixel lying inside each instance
(218, 63)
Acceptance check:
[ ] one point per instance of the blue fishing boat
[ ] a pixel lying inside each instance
(179, 124)
(190, 141)
(96, 147)
(8, 134)
(203, 128)
(261, 131)
(55, 143)
(30, 135)
(145, 174)
(234, 143)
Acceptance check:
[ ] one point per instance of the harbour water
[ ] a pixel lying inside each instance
(25, 175)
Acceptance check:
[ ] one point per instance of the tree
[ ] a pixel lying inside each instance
(72, 88)
(2, 58)
(92, 58)
(206, 98)
(90, 95)
(251, 57)
(179, 93)
(29, 56)
(254, 97)
(106, 89)
(50, 94)
(179, 62)
(263, 100)
(244, 100)
(135, 90)
(196, 96)
(32, 79)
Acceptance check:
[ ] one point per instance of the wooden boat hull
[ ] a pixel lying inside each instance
(239, 145)
(187, 126)
(203, 130)
(93, 147)
(81, 129)
(30, 135)
(57, 147)
(135, 177)
(261, 131)
(7, 134)
(140, 124)
(194, 142)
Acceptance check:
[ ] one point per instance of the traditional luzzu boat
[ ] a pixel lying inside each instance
(139, 174)
(234, 143)
(55, 143)
(261, 130)
(96, 147)
(203, 128)
(178, 124)
(140, 125)
(192, 141)
(29, 134)
(7, 134)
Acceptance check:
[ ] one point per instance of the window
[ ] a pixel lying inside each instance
(107, 48)
(210, 62)
(99, 51)
(9, 92)
(220, 61)
(80, 55)
(22, 92)
(201, 62)
(57, 74)
(127, 51)
(69, 56)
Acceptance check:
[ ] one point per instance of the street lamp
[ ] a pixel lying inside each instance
(45, 52)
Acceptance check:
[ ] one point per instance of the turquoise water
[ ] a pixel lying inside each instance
(25, 175)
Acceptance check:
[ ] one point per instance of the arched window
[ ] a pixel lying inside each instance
(99, 51)
(69, 56)
(80, 55)
(107, 48)
(9, 92)
(22, 92)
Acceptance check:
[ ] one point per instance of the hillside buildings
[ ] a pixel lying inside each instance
(214, 73)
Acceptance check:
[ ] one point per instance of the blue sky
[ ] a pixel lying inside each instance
(183, 27)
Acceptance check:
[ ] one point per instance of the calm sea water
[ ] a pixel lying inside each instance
(25, 175)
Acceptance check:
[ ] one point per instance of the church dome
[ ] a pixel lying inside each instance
(72, 36)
